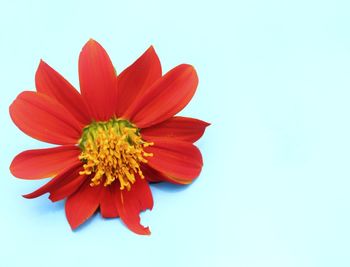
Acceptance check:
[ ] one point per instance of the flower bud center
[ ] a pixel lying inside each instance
(112, 151)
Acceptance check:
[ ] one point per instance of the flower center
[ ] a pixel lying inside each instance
(112, 150)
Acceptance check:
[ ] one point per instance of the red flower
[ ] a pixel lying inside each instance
(115, 136)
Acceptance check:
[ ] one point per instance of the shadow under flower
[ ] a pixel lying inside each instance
(43, 205)
(86, 223)
(169, 187)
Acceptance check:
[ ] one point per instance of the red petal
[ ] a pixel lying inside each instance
(164, 98)
(180, 128)
(43, 163)
(131, 203)
(83, 203)
(135, 79)
(43, 118)
(108, 205)
(67, 175)
(98, 81)
(152, 175)
(67, 189)
(181, 161)
(50, 82)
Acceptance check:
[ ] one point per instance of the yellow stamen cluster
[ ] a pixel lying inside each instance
(112, 150)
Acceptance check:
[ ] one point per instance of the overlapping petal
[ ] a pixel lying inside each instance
(151, 175)
(180, 161)
(43, 163)
(50, 82)
(67, 188)
(98, 81)
(70, 173)
(135, 79)
(131, 203)
(43, 118)
(108, 204)
(180, 128)
(164, 98)
(83, 203)
(154, 176)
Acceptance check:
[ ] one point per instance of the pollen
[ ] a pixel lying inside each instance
(113, 151)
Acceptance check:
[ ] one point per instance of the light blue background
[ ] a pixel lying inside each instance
(274, 83)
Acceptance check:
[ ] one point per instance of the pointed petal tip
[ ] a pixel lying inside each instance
(192, 70)
(190, 67)
(14, 173)
(91, 42)
(142, 231)
(27, 196)
(52, 200)
(42, 64)
(147, 231)
(151, 48)
(73, 226)
(31, 195)
(11, 168)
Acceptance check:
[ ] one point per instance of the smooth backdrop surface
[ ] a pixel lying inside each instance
(274, 83)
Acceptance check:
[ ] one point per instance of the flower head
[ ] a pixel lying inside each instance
(115, 136)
